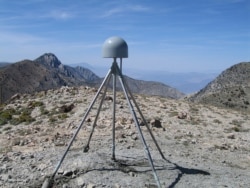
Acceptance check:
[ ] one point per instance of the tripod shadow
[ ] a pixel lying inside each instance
(126, 167)
(188, 171)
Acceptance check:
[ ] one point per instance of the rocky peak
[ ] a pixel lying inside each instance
(49, 59)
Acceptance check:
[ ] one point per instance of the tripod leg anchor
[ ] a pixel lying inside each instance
(113, 158)
(86, 149)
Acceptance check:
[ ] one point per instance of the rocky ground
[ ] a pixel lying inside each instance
(204, 146)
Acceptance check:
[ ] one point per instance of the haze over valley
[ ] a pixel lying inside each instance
(186, 82)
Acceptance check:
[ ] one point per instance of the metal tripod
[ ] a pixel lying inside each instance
(115, 72)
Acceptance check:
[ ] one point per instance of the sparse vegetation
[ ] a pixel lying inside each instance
(236, 129)
(62, 116)
(52, 119)
(43, 111)
(15, 117)
(6, 115)
(5, 149)
(217, 121)
(236, 122)
(195, 121)
(24, 116)
(34, 104)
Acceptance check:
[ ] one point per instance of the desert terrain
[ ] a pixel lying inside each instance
(203, 145)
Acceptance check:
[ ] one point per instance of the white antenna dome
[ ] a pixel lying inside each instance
(115, 47)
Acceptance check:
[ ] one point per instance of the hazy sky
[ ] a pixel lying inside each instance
(172, 35)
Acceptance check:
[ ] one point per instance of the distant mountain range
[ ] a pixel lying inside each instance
(186, 82)
(47, 72)
(231, 89)
(4, 64)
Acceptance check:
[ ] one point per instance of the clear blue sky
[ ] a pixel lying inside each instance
(172, 35)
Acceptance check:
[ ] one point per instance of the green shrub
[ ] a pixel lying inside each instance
(52, 119)
(217, 121)
(236, 122)
(34, 104)
(6, 115)
(24, 116)
(62, 116)
(43, 111)
(236, 129)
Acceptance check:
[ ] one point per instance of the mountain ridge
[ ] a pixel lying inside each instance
(230, 89)
(47, 72)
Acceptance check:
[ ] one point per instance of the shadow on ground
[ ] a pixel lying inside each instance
(136, 166)
(188, 171)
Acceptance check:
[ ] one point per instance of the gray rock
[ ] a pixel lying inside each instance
(156, 123)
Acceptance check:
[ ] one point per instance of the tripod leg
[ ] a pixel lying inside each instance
(86, 148)
(141, 135)
(113, 123)
(146, 124)
(144, 120)
(80, 126)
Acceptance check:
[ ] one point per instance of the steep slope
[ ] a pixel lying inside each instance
(27, 77)
(230, 89)
(50, 61)
(46, 72)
